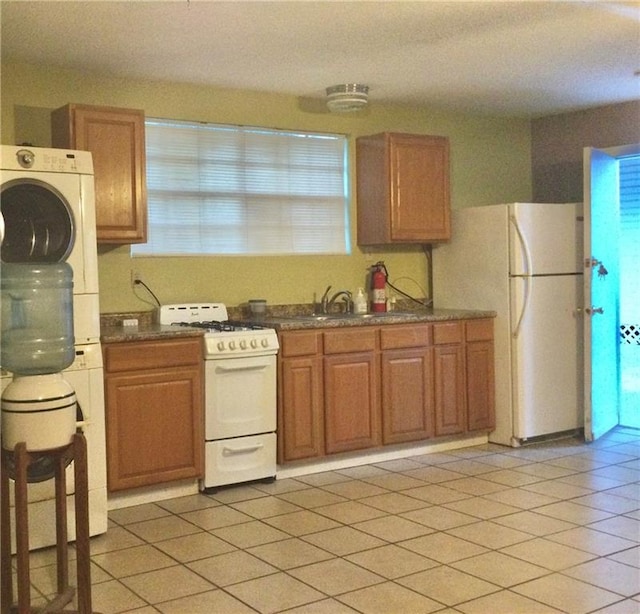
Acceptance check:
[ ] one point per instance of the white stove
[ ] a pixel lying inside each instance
(223, 337)
(240, 393)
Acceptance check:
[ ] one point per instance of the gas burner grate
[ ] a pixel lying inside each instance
(228, 326)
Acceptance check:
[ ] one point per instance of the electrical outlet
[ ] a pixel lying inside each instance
(135, 277)
(370, 256)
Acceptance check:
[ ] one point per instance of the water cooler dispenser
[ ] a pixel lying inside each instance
(39, 438)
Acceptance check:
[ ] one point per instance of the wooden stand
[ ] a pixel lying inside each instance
(76, 451)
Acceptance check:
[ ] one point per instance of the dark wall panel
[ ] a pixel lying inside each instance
(557, 142)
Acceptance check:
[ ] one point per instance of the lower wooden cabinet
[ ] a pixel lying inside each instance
(351, 389)
(154, 395)
(355, 388)
(407, 395)
(352, 405)
(301, 411)
(300, 396)
(407, 383)
(480, 375)
(450, 393)
(449, 377)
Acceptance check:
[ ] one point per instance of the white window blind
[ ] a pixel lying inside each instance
(218, 189)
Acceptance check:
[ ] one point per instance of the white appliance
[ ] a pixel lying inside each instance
(47, 206)
(240, 394)
(523, 261)
(48, 215)
(86, 377)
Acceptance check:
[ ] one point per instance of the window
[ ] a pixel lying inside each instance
(217, 189)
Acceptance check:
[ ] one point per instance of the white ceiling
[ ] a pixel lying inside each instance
(525, 58)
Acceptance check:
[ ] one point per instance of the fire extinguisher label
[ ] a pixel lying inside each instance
(378, 300)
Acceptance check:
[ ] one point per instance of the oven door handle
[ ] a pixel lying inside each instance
(226, 451)
(241, 367)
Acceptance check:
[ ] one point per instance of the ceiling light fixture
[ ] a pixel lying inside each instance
(347, 98)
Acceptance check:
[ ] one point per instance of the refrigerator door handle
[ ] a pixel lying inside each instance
(525, 304)
(524, 247)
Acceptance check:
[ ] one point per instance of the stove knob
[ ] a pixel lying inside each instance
(232, 345)
(243, 344)
(221, 346)
(254, 343)
(265, 343)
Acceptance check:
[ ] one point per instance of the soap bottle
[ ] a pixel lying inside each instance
(360, 302)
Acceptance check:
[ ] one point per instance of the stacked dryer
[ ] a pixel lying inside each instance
(48, 215)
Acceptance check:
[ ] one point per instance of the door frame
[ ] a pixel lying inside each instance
(590, 377)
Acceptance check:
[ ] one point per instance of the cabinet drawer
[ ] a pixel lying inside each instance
(139, 355)
(417, 335)
(350, 340)
(448, 332)
(300, 343)
(479, 330)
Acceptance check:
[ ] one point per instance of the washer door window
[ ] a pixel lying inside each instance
(38, 223)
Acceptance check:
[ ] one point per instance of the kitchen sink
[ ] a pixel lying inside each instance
(313, 318)
(350, 316)
(380, 314)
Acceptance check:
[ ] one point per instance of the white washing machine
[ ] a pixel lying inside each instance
(48, 215)
(47, 206)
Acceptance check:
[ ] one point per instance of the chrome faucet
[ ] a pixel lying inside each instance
(324, 301)
(347, 297)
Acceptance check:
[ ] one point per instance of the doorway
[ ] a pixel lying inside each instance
(610, 356)
(629, 291)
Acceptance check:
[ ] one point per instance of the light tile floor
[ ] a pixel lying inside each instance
(551, 527)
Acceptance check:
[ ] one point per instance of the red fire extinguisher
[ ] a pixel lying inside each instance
(378, 287)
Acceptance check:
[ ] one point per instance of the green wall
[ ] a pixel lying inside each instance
(490, 163)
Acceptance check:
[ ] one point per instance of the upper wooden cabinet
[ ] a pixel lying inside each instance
(403, 189)
(115, 137)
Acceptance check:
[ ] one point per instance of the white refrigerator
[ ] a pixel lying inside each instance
(523, 261)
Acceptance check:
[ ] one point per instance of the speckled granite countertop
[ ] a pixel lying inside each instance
(280, 317)
(112, 330)
(293, 322)
(146, 332)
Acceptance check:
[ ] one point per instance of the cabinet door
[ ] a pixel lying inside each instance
(407, 395)
(419, 168)
(300, 409)
(352, 403)
(115, 137)
(402, 189)
(449, 385)
(480, 375)
(480, 386)
(154, 427)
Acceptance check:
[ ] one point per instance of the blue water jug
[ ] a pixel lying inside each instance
(36, 326)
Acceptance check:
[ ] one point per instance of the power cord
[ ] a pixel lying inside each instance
(139, 282)
(425, 303)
